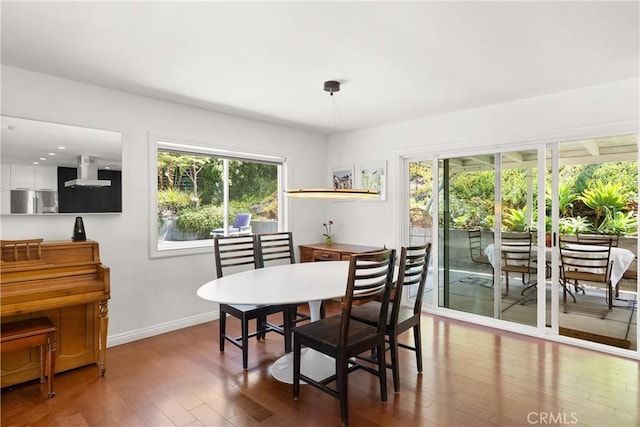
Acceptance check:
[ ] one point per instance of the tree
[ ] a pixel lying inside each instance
(191, 165)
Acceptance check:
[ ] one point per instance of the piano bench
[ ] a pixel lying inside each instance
(24, 334)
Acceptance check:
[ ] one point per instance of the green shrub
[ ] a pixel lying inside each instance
(604, 199)
(619, 223)
(172, 200)
(574, 225)
(516, 219)
(200, 221)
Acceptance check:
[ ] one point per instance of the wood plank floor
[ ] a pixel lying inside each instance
(473, 376)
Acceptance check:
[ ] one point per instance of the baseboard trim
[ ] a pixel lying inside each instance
(162, 328)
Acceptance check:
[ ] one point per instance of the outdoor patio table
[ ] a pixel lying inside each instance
(621, 258)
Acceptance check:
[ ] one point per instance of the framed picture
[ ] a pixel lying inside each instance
(373, 176)
(342, 177)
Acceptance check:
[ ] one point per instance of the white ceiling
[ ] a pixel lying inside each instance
(397, 61)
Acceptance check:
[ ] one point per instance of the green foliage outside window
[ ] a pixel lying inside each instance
(190, 192)
(593, 197)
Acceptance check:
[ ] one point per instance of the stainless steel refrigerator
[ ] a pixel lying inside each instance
(32, 202)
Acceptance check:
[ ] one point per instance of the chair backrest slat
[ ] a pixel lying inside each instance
(581, 259)
(235, 251)
(516, 249)
(599, 239)
(370, 276)
(275, 247)
(413, 269)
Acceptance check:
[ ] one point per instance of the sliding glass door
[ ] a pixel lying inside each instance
(500, 217)
(485, 199)
(598, 205)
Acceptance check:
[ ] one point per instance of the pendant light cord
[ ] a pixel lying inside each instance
(313, 131)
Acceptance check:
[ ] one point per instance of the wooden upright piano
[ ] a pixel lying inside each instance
(65, 282)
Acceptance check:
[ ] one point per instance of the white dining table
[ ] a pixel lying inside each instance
(310, 282)
(621, 258)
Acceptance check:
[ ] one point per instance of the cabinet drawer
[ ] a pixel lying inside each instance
(306, 255)
(326, 255)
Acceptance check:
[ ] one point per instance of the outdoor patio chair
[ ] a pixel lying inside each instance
(517, 258)
(590, 263)
(241, 225)
(477, 253)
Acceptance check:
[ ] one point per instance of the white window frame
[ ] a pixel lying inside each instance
(185, 145)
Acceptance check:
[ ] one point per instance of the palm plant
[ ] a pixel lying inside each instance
(516, 219)
(619, 223)
(566, 197)
(604, 199)
(575, 225)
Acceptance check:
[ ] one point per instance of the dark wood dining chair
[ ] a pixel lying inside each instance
(277, 248)
(589, 263)
(236, 253)
(412, 276)
(342, 337)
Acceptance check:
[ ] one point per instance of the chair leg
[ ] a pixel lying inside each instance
(296, 369)
(417, 338)
(289, 319)
(393, 344)
(342, 384)
(260, 327)
(506, 281)
(223, 328)
(245, 343)
(382, 373)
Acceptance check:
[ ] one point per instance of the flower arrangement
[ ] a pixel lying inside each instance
(328, 237)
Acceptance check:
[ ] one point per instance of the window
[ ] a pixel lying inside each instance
(200, 191)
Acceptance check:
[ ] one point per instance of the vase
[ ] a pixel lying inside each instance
(328, 240)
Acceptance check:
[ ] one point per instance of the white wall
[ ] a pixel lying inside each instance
(571, 114)
(149, 296)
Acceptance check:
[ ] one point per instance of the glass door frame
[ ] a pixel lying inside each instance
(432, 304)
(550, 141)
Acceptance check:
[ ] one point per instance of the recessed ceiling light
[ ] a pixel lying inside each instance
(36, 163)
(62, 148)
(43, 158)
(52, 154)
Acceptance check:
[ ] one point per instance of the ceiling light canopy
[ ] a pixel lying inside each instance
(332, 86)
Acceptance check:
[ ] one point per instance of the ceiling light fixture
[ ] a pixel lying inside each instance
(332, 86)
